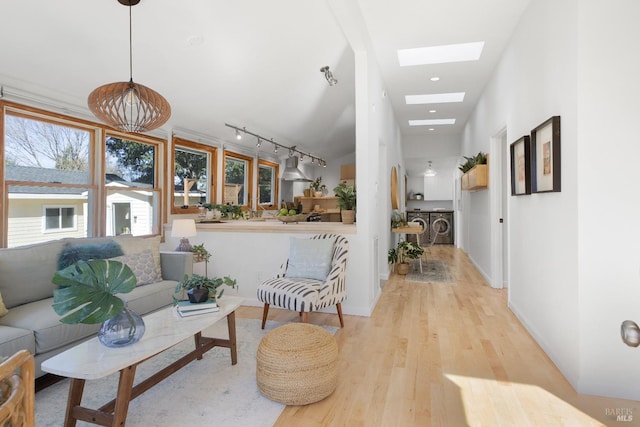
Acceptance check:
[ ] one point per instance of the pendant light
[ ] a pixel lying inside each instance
(129, 106)
(430, 171)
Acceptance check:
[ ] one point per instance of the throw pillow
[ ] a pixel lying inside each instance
(134, 245)
(3, 309)
(73, 253)
(142, 265)
(310, 258)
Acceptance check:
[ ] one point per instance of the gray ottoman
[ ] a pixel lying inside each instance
(297, 364)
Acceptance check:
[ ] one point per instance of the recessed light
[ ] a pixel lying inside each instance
(433, 111)
(440, 54)
(434, 79)
(431, 129)
(429, 122)
(434, 98)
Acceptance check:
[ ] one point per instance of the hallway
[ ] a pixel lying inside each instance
(445, 354)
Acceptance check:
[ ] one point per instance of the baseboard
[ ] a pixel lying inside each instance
(486, 277)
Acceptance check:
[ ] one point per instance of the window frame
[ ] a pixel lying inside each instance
(249, 177)
(212, 153)
(60, 229)
(276, 185)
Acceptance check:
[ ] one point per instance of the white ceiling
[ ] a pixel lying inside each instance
(256, 63)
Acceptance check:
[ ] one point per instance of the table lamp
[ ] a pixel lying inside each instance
(183, 228)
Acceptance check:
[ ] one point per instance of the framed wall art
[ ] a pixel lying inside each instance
(521, 166)
(545, 156)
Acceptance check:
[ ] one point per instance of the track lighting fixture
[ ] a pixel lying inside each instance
(291, 150)
(328, 75)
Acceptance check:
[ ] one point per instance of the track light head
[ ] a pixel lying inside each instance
(328, 75)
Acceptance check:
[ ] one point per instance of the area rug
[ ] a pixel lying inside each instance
(433, 270)
(205, 392)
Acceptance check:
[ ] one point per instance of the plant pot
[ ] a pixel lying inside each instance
(197, 295)
(318, 194)
(125, 328)
(403, 268)
(348, 216)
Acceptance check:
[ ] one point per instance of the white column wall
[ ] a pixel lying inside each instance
(608, 202)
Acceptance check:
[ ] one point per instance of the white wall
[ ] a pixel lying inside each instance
(534, 81)
(573, 277)
(609, 235)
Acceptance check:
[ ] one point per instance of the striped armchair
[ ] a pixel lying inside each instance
(306, 295)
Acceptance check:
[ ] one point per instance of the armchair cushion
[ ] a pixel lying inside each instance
(310, 258)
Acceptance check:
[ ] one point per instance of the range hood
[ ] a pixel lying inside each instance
(291, 171)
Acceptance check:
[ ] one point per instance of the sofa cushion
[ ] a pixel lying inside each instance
(134, 245)
(3, 308)
(14, 339)
(142, 266)
(74, 252)
(48, 331)
(26, 272)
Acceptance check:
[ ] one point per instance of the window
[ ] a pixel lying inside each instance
(267, 184)
(132, 196)
(237, 179)
(48, 172)
(62, 218)
(193, 164)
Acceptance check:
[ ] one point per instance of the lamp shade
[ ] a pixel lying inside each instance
(183, 228)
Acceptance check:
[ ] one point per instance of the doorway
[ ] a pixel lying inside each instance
(121, 218)
(499, 190)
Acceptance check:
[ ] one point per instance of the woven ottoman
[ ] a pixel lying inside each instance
(297, 364)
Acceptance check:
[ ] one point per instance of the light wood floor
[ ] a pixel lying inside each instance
(436, 354)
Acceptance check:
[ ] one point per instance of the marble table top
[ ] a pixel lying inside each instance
(163, 329)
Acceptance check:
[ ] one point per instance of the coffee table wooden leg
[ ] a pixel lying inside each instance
(75, 397)
(231, 324)
(123, 398)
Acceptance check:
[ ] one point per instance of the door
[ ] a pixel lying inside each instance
(121, 218)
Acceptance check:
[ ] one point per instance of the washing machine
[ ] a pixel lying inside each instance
(442, 224)
(423, 218)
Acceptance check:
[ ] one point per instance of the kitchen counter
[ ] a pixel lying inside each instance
(275, 226)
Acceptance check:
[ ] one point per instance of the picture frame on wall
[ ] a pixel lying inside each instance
(521, 166)
(545, 156)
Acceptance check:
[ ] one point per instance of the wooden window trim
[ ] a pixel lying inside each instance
(276, 191)
(213, 170)
(250, 180)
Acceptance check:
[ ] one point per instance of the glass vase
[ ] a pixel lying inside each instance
(125, 328)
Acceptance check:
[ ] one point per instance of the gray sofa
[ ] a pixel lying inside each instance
(27, 293)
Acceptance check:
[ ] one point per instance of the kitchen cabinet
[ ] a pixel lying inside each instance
(439, 187)
(327, 204)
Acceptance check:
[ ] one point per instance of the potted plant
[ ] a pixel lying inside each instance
(402, 253)
(201, 288)
(478, 159)
(347, 200)
(317, 187)
(87, 294)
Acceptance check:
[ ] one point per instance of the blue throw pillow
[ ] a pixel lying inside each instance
(72, 253)
(310, 258)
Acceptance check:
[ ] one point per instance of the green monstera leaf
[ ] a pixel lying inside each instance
(87, 290)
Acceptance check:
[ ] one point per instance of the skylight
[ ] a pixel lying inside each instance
(440, 54)
(434, 98)
(432, 122)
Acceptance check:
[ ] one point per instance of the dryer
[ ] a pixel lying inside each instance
(441, 223)
(423, 218)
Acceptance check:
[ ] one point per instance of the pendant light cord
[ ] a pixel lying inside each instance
(130, 45)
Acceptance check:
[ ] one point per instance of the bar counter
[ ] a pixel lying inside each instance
(275, 226)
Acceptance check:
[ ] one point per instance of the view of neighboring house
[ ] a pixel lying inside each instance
(42, 213)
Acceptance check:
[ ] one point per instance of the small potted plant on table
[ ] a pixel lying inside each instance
(200, 288)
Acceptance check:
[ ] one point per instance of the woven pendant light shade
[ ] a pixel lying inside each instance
(129, 106)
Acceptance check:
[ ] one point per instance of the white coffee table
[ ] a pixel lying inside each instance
(163, 329)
